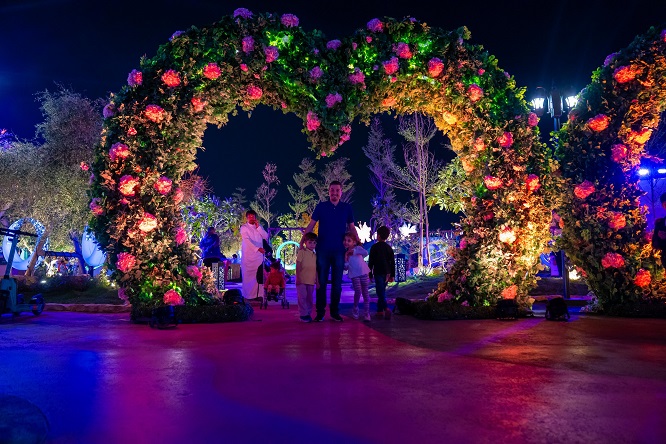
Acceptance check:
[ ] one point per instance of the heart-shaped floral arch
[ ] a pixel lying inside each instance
(155, 124)
(600, 149)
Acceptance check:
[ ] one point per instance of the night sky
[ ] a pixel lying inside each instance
(91, 46)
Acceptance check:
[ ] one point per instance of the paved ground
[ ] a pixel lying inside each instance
(97, 378)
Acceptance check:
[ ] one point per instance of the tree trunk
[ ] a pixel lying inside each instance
(74, 236)
(39, 250)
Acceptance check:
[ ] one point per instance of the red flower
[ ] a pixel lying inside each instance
(180, 236)
(475, 92)
(612, 260)
(598, 123)
(616, 220)
(147, 223)
(163, 185)
(643, 278)
(212, 71)
(492, 182)
(618, 152)
(254, 92)
(402, 50)
(625, 74)
(505, 140)
(532, 119)
(84, 166)
(435, 67)
(128, 185)
(172, 297)
(197, 104)
(171, 78)
(532, 183)
(125, 262)
(131, 131)
(154, 113)
(391, 66)
(584, 189)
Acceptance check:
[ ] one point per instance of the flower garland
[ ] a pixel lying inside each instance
(155, 124)
(600, 149)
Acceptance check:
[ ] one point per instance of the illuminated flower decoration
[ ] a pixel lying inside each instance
(194, 272)
(584, 189)
(163, 185)
(154, 113)
(147, 223)
(406, 230)
(125, 262)
(243, 67)
(619, 152)
(171, 78)
(316, 73)
(289, 20)
(505, 140)
(375, 25)
(446, 296)
(616, 221)
(333, 44)
(510, 292)
(492, 182)
(368, 39)
(312, 121)
(175, 35)
(363, 231)
(346, 131)
(357, 78)
(135, 78)
(391, 66)
(247, 44)
(271, 53)
(641, 137)
(178, 196)
(333, 99)
(532, 119)
(198, 104)
(612, 260)
(435, 67)
(467, 165)
(643, 278)
(402, 50)
(609, 58)
(109, 110)
(84, 166)
(172, 297)
(212, 71)
(95, 207)
(118, 151)
(449, 117)
(180, 236)
(243, 13)
(254, 92)
(532, 183)
(389, 102)
(475, 93)
(625, 74)
(507, 235)
(128, 185)
(479, 144)
(463, 244)
(598, 123)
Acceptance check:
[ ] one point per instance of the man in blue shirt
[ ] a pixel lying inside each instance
(335, 219)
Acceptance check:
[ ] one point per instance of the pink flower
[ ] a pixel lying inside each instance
(507, 235)
(492, 182)
(178, 196)
(598, 123)
(584, 189)
(532, 119)
(643, 278)
(312, 121)
(247, 44)
(402, 50)
(479, 144)
(391, 66)
(254, 92)
(435, 67)
(243, 67)
(198, 104)
(333, 44)
(180, 236)
(619, 152)
(316, 73)
(125, 262)
(84, 166)
(163, 185)
(612, 260)
(95, 207)
(532, 183)
(172, 297)
(333, 99)
(289, 20)
(357, 77)
(463, 244)
(171, 78)
(446, 296)
(475, 92)
(212, 71)
(109, 110)
(154, 113)
(625, 74)
(271, 53)
(616, 221)
(368, 39)
(481, 71)
(118, 151)
(510, 292)
(193, 271)
(375, 25)
(346, 129)
(243, 13)
(131, 131)
(505, 140)
(128, 185)
(354, 46)
(135, 78)
(147, 223)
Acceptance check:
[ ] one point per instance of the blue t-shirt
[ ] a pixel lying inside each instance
(333, 222)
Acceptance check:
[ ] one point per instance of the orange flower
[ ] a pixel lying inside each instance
(625, 74)
(147, 223)
(389, 102)
(154, 113)
(616, 221)
(532, 183)
(584, 189)
(492, 182)
(510, 292)
(598, 123)
(641, 137)
(612, 260)
(643, 278)
(479, 145)
(449, 117)
(618, 152)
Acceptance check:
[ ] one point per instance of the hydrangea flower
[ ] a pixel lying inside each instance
(147, 223)
(155, 113)
(135, 78)
(532, 183)
(163, 185)
(333, 45)
(95, 207)
(643, 278)
(316, 73)
(254, 92)
(333, 99)
(127, 186)
(271, 53)
(612, 260)
(532, 119)
(598, 123)
(619, 152)
(492, 182)
(180, 236)
(402, 50)
(375, 25)
(109, 110)
(289, 20)
(172, 297)
(505, 140)
(125, 262)
(212, 71)
(475, 92)
(243, 13)
(584, 189)
(312, 122)
(171, 78)
(391, 66)
(247, 44)
(198, 104)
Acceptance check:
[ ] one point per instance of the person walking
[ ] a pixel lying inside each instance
(382, 265)
(335, 219)
(252, 253)
(306, 276)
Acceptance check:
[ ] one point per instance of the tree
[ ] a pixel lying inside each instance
(266, 194)
(335, 170)
(451, 189)
(304, 202)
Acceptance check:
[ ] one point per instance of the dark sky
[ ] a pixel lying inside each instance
(91, 46)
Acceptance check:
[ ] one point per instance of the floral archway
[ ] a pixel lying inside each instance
(155, 124)
(600, 150)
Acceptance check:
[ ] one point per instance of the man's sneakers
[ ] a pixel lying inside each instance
(319, 318)
(355, 312)
(336, 318)
(307, 319)
(366, 318)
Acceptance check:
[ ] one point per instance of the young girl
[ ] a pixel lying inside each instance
(358, 272)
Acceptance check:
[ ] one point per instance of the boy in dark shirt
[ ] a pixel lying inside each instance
(659, 235)
(382, 265)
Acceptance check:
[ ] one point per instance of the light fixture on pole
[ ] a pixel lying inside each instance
(557, 104)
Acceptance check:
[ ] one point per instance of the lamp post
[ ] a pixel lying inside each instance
(557, 105)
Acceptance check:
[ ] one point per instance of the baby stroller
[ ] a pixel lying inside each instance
(262, 275)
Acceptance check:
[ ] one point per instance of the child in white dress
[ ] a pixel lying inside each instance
(358, 272)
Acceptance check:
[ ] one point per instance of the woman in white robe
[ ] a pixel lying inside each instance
(252, 254)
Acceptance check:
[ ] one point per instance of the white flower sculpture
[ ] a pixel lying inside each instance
(363, 231)
(407, 229)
